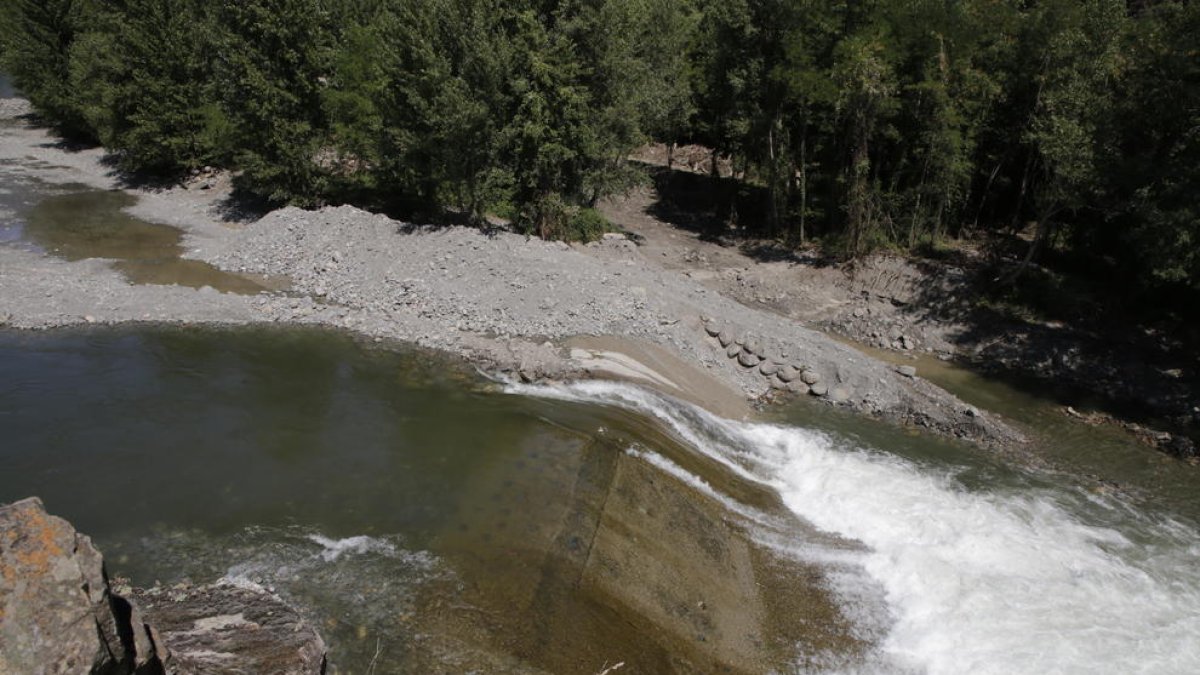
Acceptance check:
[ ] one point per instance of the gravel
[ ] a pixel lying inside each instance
(502, 300)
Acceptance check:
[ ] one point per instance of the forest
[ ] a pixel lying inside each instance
(860, 125)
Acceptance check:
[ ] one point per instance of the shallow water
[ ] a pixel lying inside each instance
(6, 87)
(409, 506)
(75, 222)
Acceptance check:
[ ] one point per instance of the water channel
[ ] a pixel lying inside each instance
(416, 510)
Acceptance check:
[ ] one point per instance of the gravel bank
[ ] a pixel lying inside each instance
(505, 301)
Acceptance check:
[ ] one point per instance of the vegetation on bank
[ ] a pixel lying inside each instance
(885, 122)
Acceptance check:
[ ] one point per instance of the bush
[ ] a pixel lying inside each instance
(587, 225)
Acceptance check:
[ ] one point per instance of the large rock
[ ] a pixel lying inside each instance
(57, 614)
(231, 629)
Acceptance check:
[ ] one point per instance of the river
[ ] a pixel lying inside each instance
(422, 514)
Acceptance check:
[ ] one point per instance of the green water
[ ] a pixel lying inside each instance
(397, 498)
(429, 522)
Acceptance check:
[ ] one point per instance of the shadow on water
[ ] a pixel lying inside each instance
(93, 224)
(1104, 452)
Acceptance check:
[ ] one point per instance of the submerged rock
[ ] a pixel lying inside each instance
(210, 628)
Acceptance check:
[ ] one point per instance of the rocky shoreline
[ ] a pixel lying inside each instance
(506, 302)
(60, 614)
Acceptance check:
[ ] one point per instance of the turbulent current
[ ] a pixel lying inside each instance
(1014, 580)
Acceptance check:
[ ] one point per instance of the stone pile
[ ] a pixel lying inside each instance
(784, 374)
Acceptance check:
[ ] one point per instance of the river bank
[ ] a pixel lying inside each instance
(506, 302)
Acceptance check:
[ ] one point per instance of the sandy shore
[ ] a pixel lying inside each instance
(524, 307)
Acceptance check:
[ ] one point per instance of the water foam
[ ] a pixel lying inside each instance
(360, 545)
(975, 582)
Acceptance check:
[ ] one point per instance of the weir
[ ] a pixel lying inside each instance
(428, 522)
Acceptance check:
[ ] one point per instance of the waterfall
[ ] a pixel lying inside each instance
(1036, 580)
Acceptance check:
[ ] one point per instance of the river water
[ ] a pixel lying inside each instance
(421, 515)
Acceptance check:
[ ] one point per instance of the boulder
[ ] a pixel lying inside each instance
(788, 374)
(840, 394)
(751, 345)
(57, 613)
(798, 387)
(208, 628)
(768, 368)
(810, 377)
(732, 351)
(748, 359)
(727, 338)
(907, 371)
(712, 328)
(818, 389)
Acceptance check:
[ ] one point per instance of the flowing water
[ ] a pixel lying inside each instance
(432, 521)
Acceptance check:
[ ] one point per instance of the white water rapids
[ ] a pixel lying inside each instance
(1034, 581)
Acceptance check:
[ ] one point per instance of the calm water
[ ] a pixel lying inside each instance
(411, 508)
(400, 500)
(75, 222)
(6, 88)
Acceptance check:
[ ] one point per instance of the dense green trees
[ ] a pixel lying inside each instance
(865, 124)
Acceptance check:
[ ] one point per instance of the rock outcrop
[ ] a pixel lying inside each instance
(58, 614)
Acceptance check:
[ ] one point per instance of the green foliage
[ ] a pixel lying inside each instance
(274, 57)
(890, 123)
(587, 225)
(38, 37)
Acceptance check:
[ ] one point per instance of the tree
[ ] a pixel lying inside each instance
(145, 83)
(39, 35)
(272, 63)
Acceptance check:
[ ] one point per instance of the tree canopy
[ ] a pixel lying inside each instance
(885, 123)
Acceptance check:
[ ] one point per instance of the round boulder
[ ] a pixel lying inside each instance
(751, 345)
(747, 359)
(818, 389)
(732, 351)
(840, 394)
(798, 387)
(726, 338)
(712, 328)
(768, 368)
(810, 377)
(788, 374)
